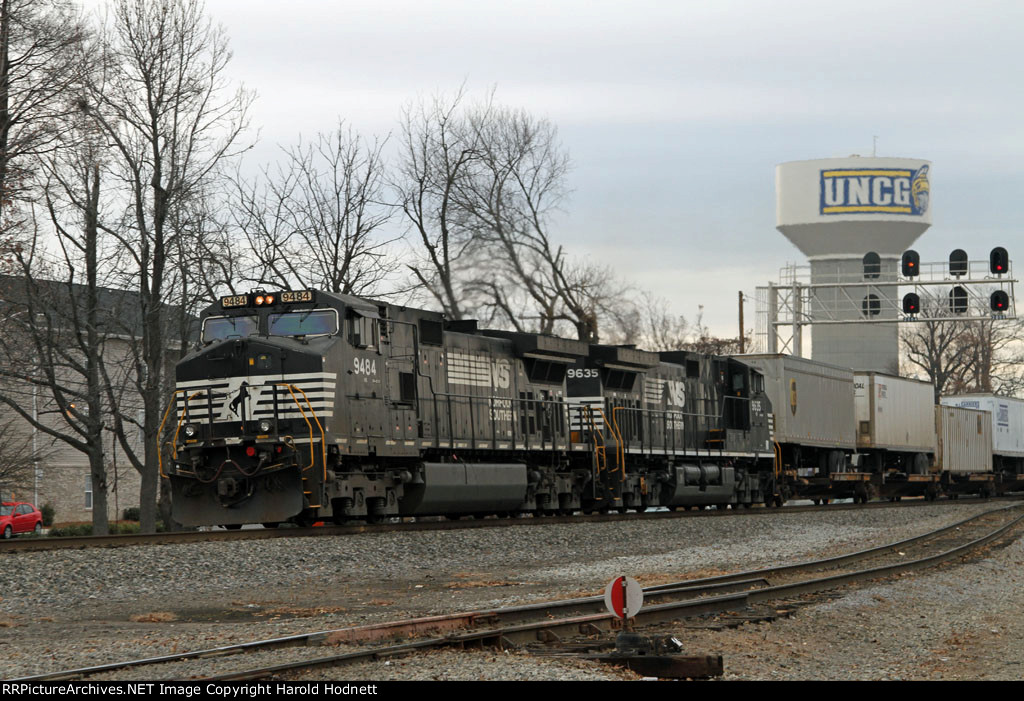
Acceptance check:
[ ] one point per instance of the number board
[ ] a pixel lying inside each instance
(296, 296)
(234, 301)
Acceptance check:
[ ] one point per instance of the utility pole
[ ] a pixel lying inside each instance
(741, 322)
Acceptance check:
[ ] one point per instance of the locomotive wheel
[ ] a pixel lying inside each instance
(232, 526)
(271, 524)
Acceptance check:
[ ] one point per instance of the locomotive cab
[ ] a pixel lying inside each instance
(253, 405)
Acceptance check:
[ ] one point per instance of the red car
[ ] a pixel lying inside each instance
(19, 517)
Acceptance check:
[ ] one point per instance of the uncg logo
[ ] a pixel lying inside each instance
(875, 191)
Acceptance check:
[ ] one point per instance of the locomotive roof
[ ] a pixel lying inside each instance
(541, 344)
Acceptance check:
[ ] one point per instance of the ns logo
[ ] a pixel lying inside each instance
(676, 392)
(501, 374)
(875, 190)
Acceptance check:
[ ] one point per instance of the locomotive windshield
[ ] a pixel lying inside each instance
(217, 328)
(308, 322)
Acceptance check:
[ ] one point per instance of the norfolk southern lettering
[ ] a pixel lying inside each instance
(874, 191)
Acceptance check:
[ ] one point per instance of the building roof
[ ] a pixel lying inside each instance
(120, 311)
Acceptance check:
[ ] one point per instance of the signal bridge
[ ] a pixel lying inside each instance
(957, 289)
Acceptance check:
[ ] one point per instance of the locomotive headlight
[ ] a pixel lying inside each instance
(259, 300)
(264, 426)
(190, 430)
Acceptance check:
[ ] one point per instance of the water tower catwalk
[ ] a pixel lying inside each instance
(853, 218)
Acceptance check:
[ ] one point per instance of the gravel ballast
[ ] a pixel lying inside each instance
(66, 609)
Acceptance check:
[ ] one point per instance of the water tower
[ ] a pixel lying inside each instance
(853, 218)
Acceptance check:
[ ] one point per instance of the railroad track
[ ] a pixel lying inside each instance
(112, 541)
(559, 622)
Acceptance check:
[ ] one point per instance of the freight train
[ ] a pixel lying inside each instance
(304, 405)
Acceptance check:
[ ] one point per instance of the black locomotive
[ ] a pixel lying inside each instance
(305, 405)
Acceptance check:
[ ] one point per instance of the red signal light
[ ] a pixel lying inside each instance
(250, 451)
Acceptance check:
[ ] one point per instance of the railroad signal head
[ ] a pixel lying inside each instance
(911, 303)
(958, 300)
(958, 262)
(999, 301)
(911, 264)
(998, 261)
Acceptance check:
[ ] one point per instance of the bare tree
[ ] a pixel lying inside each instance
(508, 198)
(438, 151)
(40, 65)
(937, 349)
(650, 324)
(316, 220)
(56, 332)
(994, 358)
(19, 456)
(49, 349)
(702, 341)
(172, 119)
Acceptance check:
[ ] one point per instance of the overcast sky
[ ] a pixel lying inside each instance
(675, 113)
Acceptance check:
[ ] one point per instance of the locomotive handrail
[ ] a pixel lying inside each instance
(487, 400)
(291, 390)
(323, 442)
(174, 447)
(620, 451)
(666, 414)
(181, 419)
(588, 411)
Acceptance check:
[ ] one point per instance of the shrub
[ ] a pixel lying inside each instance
(79, 529)
(48, 514)
(74, 529)
(130, 514)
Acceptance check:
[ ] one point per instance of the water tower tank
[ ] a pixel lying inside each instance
(853, 218)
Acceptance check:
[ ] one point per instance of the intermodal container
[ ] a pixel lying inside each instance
(894, 413)
(1007, 420)
(812, 402)
(965, 440)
